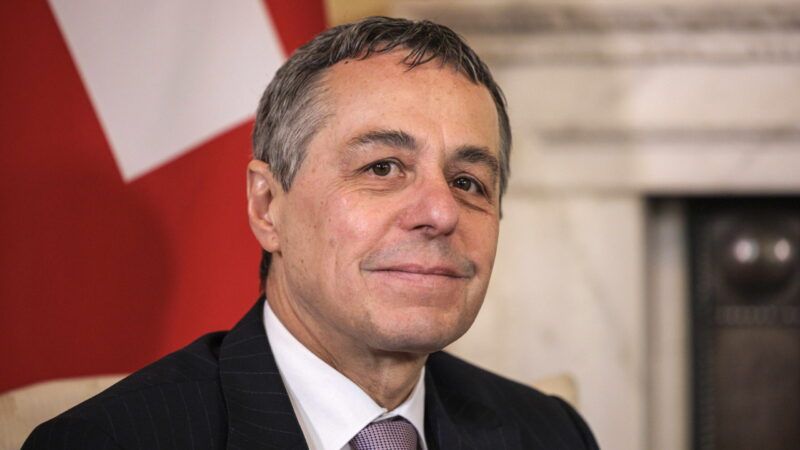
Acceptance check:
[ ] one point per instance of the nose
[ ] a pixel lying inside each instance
(432, 209)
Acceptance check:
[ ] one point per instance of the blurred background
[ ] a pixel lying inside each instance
(649, 245)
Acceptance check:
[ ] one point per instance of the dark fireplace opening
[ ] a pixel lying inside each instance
(745, 326)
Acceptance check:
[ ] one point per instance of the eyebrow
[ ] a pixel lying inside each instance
(478, 155)
(391, 138)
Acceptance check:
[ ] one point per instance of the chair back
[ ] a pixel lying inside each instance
(22, 409)
(562, 385)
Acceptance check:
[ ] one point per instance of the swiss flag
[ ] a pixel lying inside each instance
(125, 130)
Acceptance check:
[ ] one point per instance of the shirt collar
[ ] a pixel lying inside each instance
(331, 408)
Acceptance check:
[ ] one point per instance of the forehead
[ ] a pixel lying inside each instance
(430, 100)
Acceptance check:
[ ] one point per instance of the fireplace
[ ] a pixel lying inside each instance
(745, 308)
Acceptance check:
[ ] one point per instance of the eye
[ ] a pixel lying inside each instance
(468, 184)
(382, 168)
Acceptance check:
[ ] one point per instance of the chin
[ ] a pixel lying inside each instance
(418, 336)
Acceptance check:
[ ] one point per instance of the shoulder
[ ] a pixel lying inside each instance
(148, 409)
(532, 411)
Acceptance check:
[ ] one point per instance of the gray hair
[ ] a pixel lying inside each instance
(292, 109)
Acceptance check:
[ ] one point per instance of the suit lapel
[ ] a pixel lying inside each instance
(456, 420)
(260, 414)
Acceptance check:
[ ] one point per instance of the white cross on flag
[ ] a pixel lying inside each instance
(126, 133)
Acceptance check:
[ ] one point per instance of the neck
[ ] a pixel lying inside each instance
(387, 377)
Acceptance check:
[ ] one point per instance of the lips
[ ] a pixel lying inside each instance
(419, 270)
(413, 262)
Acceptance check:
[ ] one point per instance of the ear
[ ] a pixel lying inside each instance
(264, 196)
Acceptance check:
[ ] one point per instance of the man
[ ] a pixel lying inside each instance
(381, 156)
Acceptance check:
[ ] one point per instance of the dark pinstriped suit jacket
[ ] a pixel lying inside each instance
(224, 391)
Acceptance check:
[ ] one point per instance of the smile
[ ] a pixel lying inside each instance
(417, 272)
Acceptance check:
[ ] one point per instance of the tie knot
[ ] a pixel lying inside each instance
(392, 434)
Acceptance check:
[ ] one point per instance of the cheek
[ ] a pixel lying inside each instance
(351, 224)
(482, 241)
(491, 243)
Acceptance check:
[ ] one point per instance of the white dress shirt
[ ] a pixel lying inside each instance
(330, 408)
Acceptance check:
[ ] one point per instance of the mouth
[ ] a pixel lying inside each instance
(418, 271)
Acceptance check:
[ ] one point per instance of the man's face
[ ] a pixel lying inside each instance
(388, 234)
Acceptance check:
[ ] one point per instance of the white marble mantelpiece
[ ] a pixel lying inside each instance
(663, 97)
(613, 102)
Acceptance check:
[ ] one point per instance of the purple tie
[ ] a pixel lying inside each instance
(393, 434)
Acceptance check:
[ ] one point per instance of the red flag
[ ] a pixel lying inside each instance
(113, 257)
